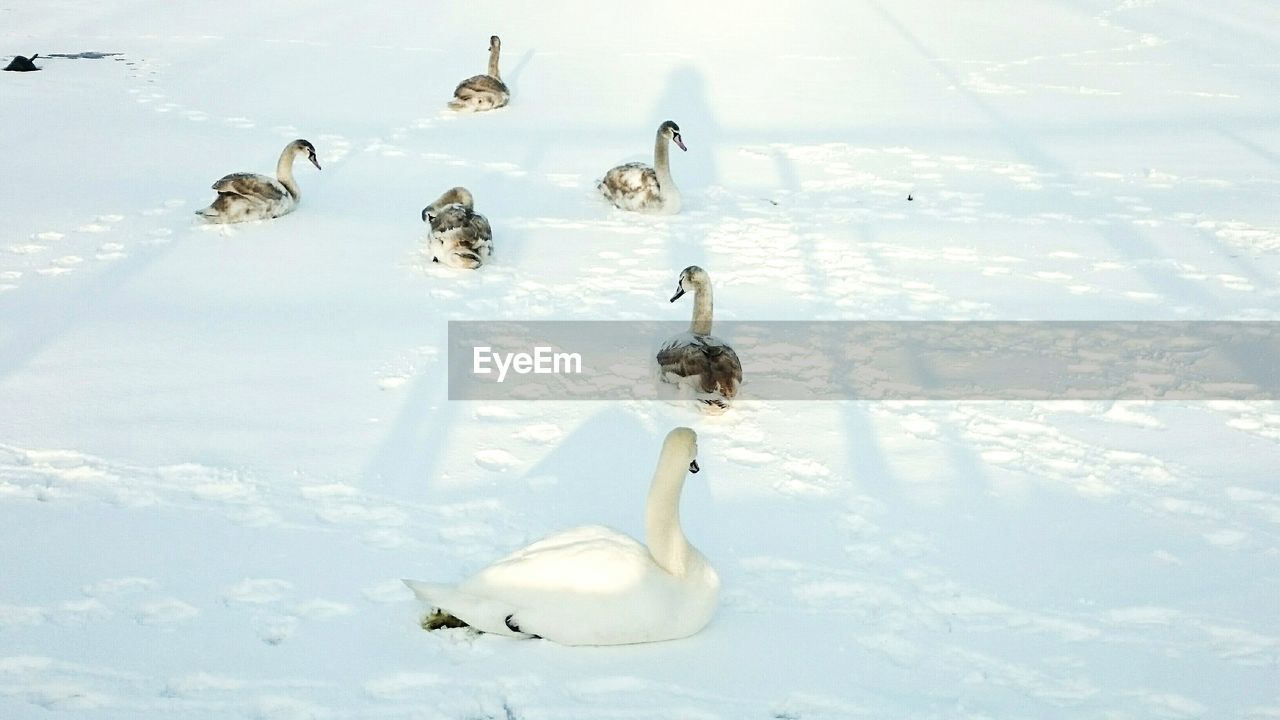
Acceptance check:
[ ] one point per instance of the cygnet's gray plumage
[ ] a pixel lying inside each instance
(640, 188)
(249, 196)
(460, 237)
(695, 358)
(483, 92)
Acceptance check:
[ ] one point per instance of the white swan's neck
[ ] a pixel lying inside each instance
(662, 166)
(493, 61)
(702, 308)
(284, 173)
(667, 543)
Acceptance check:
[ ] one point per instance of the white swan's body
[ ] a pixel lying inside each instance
(695, 359)
(249, 196)
(460, 237)
(483, 92)
(640, 188)
(595, 586)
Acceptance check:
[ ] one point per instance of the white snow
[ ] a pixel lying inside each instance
(221, 447)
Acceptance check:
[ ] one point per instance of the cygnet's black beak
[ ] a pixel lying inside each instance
(693, 467)
(679, 293)
(314, 161)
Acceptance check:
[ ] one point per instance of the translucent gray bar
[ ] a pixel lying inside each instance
(1202, 360)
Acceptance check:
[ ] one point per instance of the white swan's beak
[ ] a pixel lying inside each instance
(677, 296)
(680, 142)
(693, 467)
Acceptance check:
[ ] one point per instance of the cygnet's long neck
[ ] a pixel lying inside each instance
(284, 173)
(663, 534)
(662, 166)
(701, 324)
(494, 49)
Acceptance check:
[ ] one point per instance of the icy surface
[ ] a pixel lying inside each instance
(220, 448)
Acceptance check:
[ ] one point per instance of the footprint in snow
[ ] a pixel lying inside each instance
(258, 591)
(336, 147)
(165, 207)
(165, 611)
(61, 266)
(27, 248)
(275, 629)
(391, 382)
(404, 368)
(387, 592)
(495, 459)
(110, 251)
(100, 224)
(746, 456)
(496, 412)
(542, 433)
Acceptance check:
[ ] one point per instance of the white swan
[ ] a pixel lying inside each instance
(483, 92)
(638, 187)
(460, 237)
(592, 585)
(249, 196)
(697, 360)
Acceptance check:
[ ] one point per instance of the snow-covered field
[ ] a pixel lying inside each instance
(220, 448)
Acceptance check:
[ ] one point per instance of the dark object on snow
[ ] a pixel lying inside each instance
(909, 198)
(437, 619)
(21, 64)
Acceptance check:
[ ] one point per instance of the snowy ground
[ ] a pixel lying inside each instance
(221, 448)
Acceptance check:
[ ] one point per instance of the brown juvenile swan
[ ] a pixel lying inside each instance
(697, 360)
(638, 187)
(249, 196)
(483, 92)
(460, 237)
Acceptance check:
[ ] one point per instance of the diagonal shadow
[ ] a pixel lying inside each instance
(38, 316)
(1123, 239)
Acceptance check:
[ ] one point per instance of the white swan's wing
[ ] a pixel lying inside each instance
(590, 559)
(484, 614)
(582, 586)
(632, 186)
(590, 586)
